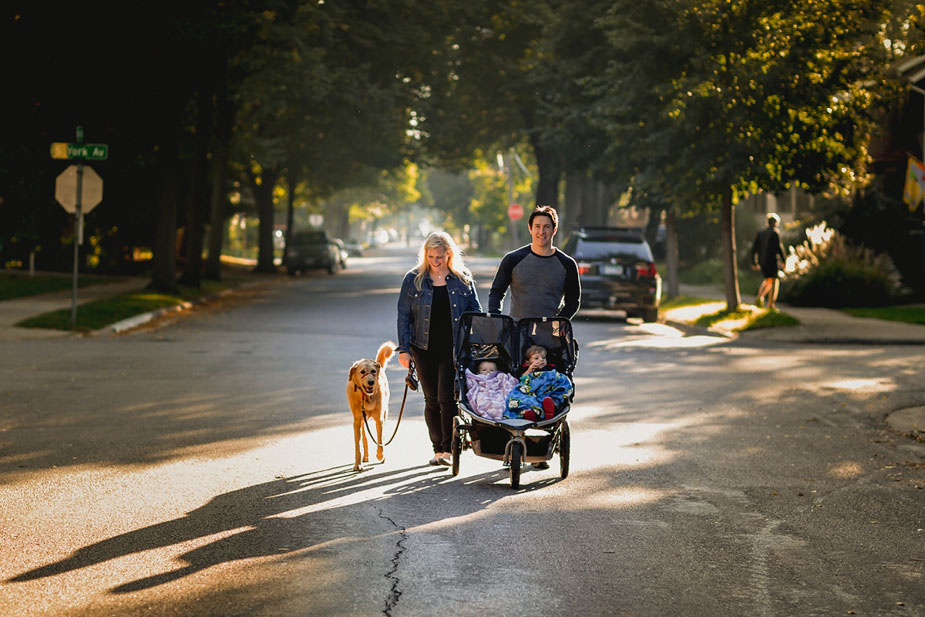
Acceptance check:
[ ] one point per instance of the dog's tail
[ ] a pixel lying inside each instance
(386, 350)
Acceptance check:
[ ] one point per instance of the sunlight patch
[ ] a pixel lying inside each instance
(845, 469)
(862, 384)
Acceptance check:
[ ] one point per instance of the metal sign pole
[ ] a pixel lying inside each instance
(77, 230)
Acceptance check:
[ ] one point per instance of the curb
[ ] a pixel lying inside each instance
(700, 330)
(143, 318)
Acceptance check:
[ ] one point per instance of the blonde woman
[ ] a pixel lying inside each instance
(433, 295)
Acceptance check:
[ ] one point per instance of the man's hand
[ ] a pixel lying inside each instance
(404, 358)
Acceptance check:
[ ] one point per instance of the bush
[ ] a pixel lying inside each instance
(826, 270)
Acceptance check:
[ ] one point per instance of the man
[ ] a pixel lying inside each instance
(543, 280)
(765, 251)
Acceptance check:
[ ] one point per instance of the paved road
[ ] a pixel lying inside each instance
(204, 468)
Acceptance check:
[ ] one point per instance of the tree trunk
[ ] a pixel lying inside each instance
(192, 271)
(730, 271)
(671, 253)
(263, 195)
(605, 198)
(652, 225)
(217, 215)
(549, 166)
(164, 267)
(572, 218)
(290, 208)
(218, 202)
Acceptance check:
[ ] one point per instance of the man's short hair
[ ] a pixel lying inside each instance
(773, 219)
(545, 211)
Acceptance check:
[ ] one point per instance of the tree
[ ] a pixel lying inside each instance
(716, 99)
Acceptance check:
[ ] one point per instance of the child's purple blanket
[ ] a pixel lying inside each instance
(487, 394)
(533, 388)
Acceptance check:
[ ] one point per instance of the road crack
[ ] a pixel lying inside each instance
(394, 592)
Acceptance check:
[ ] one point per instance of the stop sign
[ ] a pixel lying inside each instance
(515, 212)
(91, 189)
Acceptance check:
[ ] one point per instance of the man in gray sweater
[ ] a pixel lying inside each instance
(543, 280)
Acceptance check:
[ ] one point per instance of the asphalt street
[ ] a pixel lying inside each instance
(202, 465)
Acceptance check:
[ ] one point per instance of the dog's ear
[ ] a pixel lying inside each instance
(353, 370)
(378, 367)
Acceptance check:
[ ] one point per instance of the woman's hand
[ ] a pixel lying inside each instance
(404, 358)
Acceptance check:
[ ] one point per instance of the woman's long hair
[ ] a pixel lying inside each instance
(454, 258)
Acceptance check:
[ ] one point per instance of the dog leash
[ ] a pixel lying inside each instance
(410, 383)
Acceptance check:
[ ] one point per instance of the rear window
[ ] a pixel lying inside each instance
(605, 248)
(309, 237)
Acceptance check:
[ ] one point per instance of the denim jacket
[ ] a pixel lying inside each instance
(414, 308)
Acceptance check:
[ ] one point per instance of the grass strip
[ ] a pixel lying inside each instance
(911, 313)
(20, 284)
(106, 311)
(705, 321)
(679, 301)
(770, 319)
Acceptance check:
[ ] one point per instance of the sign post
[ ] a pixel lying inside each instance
(78, 189)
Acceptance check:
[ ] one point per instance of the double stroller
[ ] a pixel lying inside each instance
(515, 441)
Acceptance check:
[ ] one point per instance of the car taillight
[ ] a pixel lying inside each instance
(583, 268)
(645, 269)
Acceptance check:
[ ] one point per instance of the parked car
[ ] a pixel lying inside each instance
(354, 248)
(616, 270)
(312, 249)
(341, 252)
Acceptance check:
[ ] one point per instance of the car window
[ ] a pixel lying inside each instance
(591, 249)
(309, 237)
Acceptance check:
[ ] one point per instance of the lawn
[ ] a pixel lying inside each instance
(909, 313)
(106, 311)
(16, 284)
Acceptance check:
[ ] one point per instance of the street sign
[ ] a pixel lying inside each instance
(88, 152)
(515, 212)
(91, 189)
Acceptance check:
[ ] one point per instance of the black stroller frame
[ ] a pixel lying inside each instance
(482, 336)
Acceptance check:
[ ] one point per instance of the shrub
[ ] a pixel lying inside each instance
(827, 270)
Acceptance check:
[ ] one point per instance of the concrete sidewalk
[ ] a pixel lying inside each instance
(817, 325)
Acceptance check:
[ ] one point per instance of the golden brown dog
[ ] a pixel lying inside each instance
(368, 390)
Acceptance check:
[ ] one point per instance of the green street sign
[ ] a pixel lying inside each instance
(89, 152)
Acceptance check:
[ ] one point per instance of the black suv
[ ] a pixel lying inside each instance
(616, 270)
(312, 249)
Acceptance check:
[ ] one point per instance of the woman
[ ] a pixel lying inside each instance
(433, 296)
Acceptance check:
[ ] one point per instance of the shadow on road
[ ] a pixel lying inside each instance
(274, 518)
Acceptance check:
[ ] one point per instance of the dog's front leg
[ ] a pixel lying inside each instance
(357, 433)
(379, 452)
(365, 444)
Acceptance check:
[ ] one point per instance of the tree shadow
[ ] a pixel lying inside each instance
(256, 518)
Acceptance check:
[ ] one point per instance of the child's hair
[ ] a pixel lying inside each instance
(532, 349)
(478, 365)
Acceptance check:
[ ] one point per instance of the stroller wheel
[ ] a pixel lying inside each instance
(516, 459)
(456, 445)
(564, 449)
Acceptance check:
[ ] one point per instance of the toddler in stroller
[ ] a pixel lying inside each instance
(541, 389)
(514, 440)
(488, 389)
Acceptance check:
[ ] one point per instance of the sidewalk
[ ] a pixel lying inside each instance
(817, 325)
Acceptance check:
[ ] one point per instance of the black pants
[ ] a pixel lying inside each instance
(435, 372)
